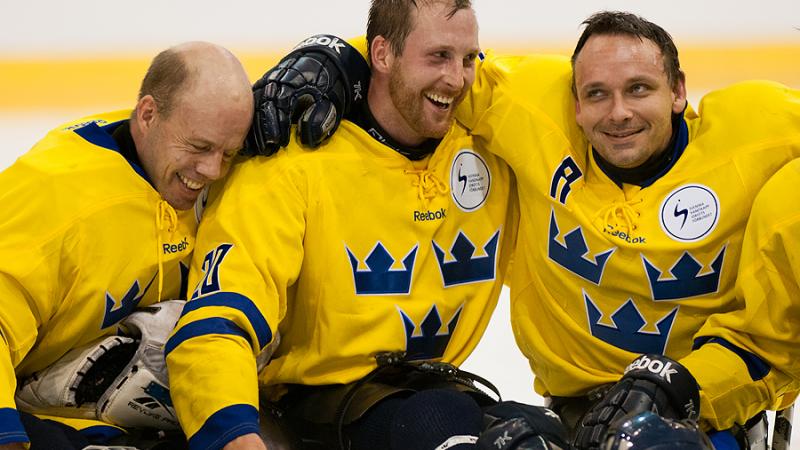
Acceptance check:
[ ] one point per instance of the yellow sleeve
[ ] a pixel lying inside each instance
(248, 253)
(749, 360)
(522, 99)
(27, 269)
(531, 78)
(11, 429)
(491, 72)
(360, 44)
(17, 334)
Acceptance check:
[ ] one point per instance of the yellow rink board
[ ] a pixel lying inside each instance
(107, 83)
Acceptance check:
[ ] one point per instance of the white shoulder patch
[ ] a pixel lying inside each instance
(690, 213)
(470, 180)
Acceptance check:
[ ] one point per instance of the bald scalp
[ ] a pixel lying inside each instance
(193, 66)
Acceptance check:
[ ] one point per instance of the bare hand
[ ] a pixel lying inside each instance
(12, 446)
(250, 441)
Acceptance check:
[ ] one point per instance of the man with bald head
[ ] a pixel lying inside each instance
(98, 220)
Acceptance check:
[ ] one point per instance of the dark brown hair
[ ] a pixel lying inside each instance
(394, 19)
(623, 23)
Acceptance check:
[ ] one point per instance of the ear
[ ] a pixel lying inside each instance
(146, 112)
(381, 55)
(679, 94)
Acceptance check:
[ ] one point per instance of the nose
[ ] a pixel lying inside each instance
(455, 74)
(620, 110)
(211, 165)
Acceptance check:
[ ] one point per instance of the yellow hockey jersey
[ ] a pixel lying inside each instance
(604, 272)
(769, 281)
(344, 252)
(84, 239)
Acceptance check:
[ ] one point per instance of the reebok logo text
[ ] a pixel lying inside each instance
(325, 41)
(176, 248)
(424, 216)
(660, 368)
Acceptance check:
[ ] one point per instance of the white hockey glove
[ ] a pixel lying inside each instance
(120, 380)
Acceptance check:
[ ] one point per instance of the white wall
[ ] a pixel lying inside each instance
(47, 27)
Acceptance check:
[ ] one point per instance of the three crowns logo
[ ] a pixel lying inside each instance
(428, 342)
(127, 304)
(626, 332)
(381, 278)
(685, 282)
(466, 269)
(573, 256)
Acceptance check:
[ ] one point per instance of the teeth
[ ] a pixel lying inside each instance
(194, 185)
(440, 99)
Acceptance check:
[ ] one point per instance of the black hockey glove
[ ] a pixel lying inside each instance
(649, 431)
(314, 86)
(651, 383)
(517, 426)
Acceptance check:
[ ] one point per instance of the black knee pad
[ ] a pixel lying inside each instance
(430, 418)
(372, 430)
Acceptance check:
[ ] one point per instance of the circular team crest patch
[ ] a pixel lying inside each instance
(690, 213)
(469, 180)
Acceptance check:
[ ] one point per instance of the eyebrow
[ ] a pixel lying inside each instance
(593, 85)
(636, 79)
(640, 79)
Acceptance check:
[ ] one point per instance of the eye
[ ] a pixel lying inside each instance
(469, 60)
(200, 148)
(639, 88)
(594, 94)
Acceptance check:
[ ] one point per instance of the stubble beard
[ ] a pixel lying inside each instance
(410, 104)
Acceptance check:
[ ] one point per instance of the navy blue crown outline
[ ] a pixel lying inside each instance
(380, 278)
(572, 256)
(429, 343)
(686, 281)
(465, 268)
(116, 311)
(626, 332)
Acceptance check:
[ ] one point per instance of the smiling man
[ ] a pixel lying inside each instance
(633, 209)
(625, 102)
(377, 259)
(98, 217)
(632, 212)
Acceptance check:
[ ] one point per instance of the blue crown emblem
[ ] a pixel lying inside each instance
(126, 306)
(626, 333)
(572, 257)
(380, 278)
(428, 343)
(686, 282)
(465, 268)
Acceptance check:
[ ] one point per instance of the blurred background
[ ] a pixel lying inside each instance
(64, 60)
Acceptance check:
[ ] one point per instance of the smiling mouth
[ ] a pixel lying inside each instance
(622, 134)
(192, 185)
(440, 101)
